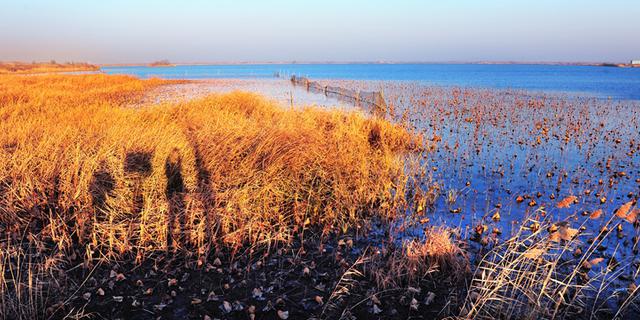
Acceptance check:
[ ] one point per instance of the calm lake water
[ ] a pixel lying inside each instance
(592, 81)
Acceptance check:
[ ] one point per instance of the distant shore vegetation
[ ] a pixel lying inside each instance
(45, 67)
(161, 63)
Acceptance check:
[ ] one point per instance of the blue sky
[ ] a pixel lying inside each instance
(330, 30)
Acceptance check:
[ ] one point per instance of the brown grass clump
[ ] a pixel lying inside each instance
(418, 258)
(420, 276)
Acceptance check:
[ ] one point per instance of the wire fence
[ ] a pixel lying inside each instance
(372, 99)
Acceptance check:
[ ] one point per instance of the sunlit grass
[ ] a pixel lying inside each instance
(259, 168)
(81, 169)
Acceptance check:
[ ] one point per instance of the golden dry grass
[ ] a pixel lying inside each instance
(234, 168)
(44, 67)
(85, 174)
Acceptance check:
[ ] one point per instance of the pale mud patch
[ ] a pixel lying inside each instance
(278, 90)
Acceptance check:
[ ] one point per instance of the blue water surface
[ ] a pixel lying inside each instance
(592, 81)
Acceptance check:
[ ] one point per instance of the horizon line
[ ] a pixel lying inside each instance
(275, 62)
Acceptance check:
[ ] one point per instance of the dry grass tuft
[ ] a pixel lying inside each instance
(536, 275)
(436, 252)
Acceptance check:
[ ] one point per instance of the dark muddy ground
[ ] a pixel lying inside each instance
(331, 280)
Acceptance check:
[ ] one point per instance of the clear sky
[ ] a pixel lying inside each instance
(131, 31)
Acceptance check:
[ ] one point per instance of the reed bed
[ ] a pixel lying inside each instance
(81, 155)
(86, 178)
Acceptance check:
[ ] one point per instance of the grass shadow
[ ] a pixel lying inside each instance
(175, 193)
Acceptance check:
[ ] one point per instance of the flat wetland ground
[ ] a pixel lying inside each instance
(160, 199)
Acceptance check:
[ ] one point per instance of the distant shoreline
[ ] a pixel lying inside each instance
(14, 67)
(593, 64)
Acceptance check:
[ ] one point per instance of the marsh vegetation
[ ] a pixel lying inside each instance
(449, 203)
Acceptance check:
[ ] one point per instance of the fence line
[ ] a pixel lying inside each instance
(373, 99)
